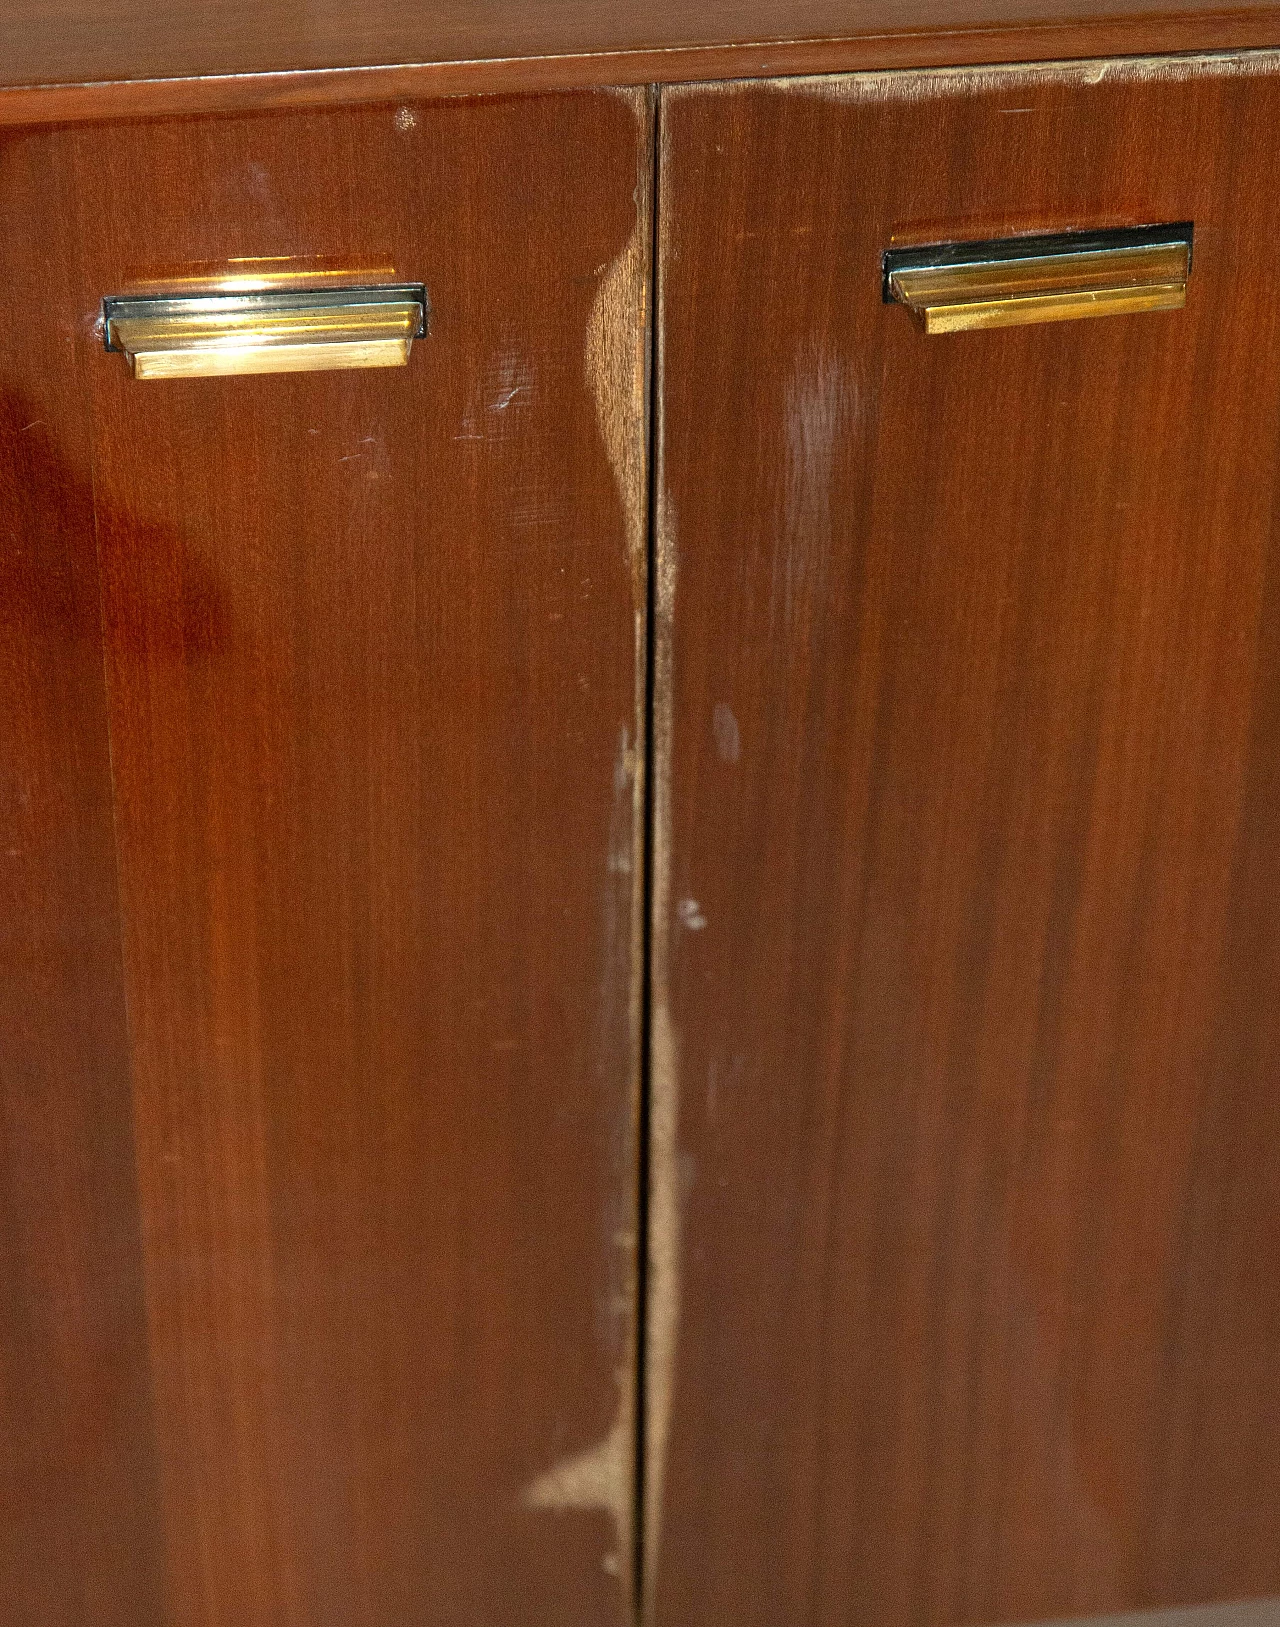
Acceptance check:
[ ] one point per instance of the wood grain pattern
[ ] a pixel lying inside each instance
(79, 1532)
(63, 60)
(967, 867)
(374, 685)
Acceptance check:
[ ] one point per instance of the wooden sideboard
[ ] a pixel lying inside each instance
(640, 976)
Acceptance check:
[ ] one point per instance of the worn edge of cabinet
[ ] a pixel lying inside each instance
(601, 1477)
(966, 79)
(660, 1313)
(1241, 30)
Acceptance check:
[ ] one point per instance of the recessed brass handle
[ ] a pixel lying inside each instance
(286, 331)
(951, 287)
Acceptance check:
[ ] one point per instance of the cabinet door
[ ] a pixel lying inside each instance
(966, 1138)
(324, 694)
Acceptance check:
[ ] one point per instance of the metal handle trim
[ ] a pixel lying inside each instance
(292, 331)
(954, 287)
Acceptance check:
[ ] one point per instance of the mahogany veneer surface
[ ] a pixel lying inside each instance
(967, 1032)
(79, 1491)
(320, 856)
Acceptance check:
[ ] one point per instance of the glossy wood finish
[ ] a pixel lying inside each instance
(80, 1535)
(966, 1106)
(79, 59)
(374, 675)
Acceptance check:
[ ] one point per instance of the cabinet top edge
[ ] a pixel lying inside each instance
(966, 79)
(72, 61)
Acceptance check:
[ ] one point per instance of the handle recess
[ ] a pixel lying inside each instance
(1005, 283)
(293, 331)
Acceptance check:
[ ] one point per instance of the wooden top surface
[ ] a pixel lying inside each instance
(50, 50)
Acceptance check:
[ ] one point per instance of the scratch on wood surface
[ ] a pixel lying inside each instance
(665, 1185)
(616, 362)
(597, 1479)
(728, 736)
(822, 407)
(690, 915)
(601, 1478)
(921, 84)
(664, 1241)
(616, 354)
(615, 359)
